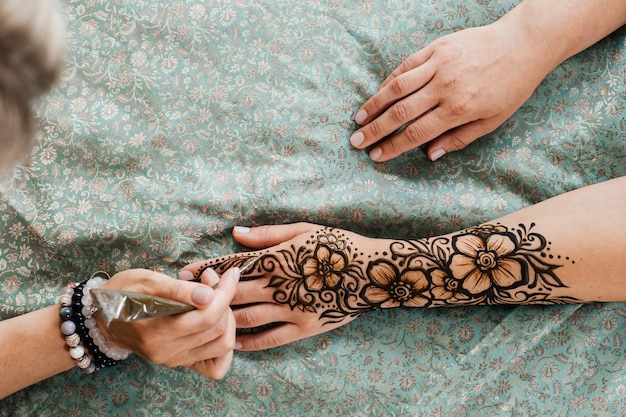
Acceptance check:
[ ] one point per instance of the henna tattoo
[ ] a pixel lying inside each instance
(329, 275)
(488, 264)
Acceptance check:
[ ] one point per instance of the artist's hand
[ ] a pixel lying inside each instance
(455, 90)
(311, 279)
(201, 339)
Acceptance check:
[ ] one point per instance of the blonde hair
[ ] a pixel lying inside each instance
(32, 48)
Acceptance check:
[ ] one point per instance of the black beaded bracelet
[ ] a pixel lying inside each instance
(98, 358)
(103, 354)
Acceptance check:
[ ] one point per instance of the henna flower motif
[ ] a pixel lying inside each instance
(390, 289)
(323, 270)
(446, 287)
(483, 262)
(332, 241)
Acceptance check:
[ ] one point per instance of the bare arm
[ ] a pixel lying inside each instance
(466, 84)
(567, 27)
(568, 249)
(33, 341)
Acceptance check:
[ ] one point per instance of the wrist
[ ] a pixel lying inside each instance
(562, 29)
(535, 47)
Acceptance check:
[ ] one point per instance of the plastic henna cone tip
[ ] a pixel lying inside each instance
(245, 264)
(249, 265)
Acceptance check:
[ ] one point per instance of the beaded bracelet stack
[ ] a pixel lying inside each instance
(87, 346)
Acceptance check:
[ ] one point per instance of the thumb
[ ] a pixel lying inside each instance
(266, 236)
(227, 286)
(458, 138)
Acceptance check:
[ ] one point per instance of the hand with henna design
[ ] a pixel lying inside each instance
(311, 278)
(308, 281)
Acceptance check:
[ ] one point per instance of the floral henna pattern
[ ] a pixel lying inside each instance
(488, 264)
(326, 278)
(391, 288)
(329, 275)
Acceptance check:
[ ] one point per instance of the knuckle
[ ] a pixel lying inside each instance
(226, 344)
(375, 129)
(220, 326)
(393, 149)
(209, 320)
(449, 82)
(415, 134)
(399, 112)
(376, 102)
(177, 291)
(268, 341)
(245, 317)
(406, 65)
(458, 143)
(459, 107)
(400, 86)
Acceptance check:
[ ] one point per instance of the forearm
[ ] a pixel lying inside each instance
(586, 234)
(567, 249)
(311, 278)
(32, 349)
(563, 28)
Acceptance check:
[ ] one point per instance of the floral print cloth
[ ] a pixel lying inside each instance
(178, 119)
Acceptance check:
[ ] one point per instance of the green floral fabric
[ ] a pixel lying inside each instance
(176, 120)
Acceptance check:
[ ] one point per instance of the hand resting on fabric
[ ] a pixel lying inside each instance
(314, 278)
(466, 84)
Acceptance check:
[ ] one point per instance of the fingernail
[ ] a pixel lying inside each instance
(437, 153)
(357, 139)
(212, 276)
(201, 295)
(242, 229)
(376, 153)
(360, 117)
(185, 275)
(238, 345)
(236, 274)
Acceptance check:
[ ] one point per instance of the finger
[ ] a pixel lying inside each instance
(198, 270)
(215, 368)
(396, 89)
(412, 62)
(160, 285)
(458, 138)
(260, 314)
(252, 292)
(195, 321)
(398, 115)
(415, 134)
(274, 337)
(217, 346)
(225, 290)
(266, 236)
(213, 341)
(209, 277)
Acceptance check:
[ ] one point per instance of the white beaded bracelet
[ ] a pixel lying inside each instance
(68, 328)
(87, 345)
(107, 348)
